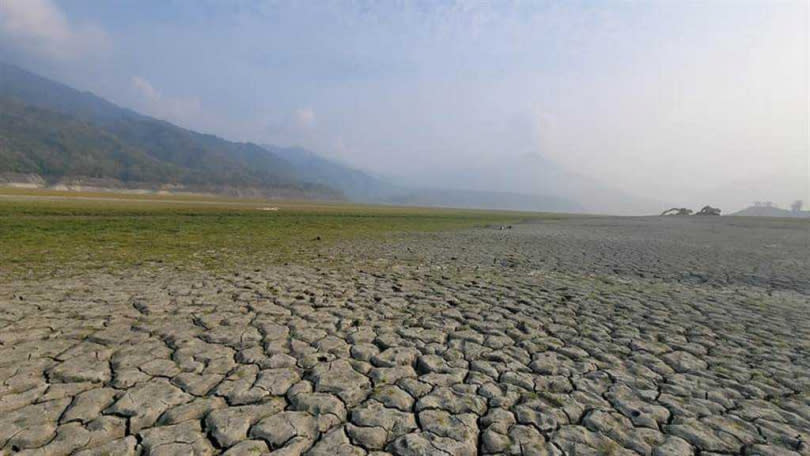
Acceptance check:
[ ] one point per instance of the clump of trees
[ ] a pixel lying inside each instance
(797, 206)
(707, 210)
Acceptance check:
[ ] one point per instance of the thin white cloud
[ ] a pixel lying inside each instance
(41, 28)
(296, 127)
(304, 117)
(182, 110)
(145, 88)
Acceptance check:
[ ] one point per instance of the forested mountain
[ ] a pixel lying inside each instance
(363, 187)
(55, 131)
(357, 185)
(61, 134)
(50, 144)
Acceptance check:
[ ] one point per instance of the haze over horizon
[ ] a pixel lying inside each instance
(685, 104)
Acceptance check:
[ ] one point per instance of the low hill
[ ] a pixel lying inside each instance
(47, 143)
(56, 131)
(357, 185)
(52, 133)
(472, 199)
(362, 187)
(770, 211)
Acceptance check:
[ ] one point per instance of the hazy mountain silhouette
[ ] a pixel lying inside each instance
(770, 211)
(56, 132)
(68, 133)
(363, 187)
(534, 174)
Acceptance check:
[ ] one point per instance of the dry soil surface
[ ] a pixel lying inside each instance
(579, 336)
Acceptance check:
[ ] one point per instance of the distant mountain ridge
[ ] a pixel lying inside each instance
(51, 144)
(770, 211)
(363, 187)
(531, 173)
(59, 132)
(55, 134)
(355, 184)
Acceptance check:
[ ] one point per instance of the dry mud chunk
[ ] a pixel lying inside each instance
(640, 413)
(196, 384)
(335, 443)
(333, 345)
(233, 336)
(144, 403)
(620, 429)
(396, 356)
(494, 442)
(578, 440)
(160, 368)
(374, 414)
(248, 447)
(461, 428)
(674, 446)
(364, 352)
(193, 410)
(31, 426)
(240, 387)
(704, 437)
(770, 450)
(185, 438)
(128, 377)
(88, 405)
(81, 369)
(414, 387)
(550, 363)
(17, 400)
(498, 420)
(389, 375)
(230, 425)
(105, 428)
(425, 443)
(526, 440)
(277, 381)
(122, 447)
(297, 430)
(539, 415)
(372, 438)
(683, 361)
(63, 390)
(393, 397)
(340, 378)
(326, 408)
(454, 402)
(69, 438)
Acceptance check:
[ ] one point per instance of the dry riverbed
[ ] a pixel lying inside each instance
(577, 336)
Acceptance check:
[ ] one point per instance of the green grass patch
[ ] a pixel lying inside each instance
(45, 234)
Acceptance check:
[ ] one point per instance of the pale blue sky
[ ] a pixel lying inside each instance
(662, 98)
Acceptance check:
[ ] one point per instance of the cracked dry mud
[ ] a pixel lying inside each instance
(581, 336)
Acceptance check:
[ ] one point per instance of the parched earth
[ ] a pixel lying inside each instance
(578, 336)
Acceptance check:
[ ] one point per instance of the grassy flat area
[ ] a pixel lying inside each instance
(47, 232)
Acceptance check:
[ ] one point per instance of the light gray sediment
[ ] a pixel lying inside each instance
(577, 336)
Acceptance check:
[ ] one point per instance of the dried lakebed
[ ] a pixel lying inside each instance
(579, 336)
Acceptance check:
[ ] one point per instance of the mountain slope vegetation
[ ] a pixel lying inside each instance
(54, 145)
(363, 187)
(58, 133)
(53, 130)
(355, 184)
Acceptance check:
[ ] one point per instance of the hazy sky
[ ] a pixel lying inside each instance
(678, 101)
